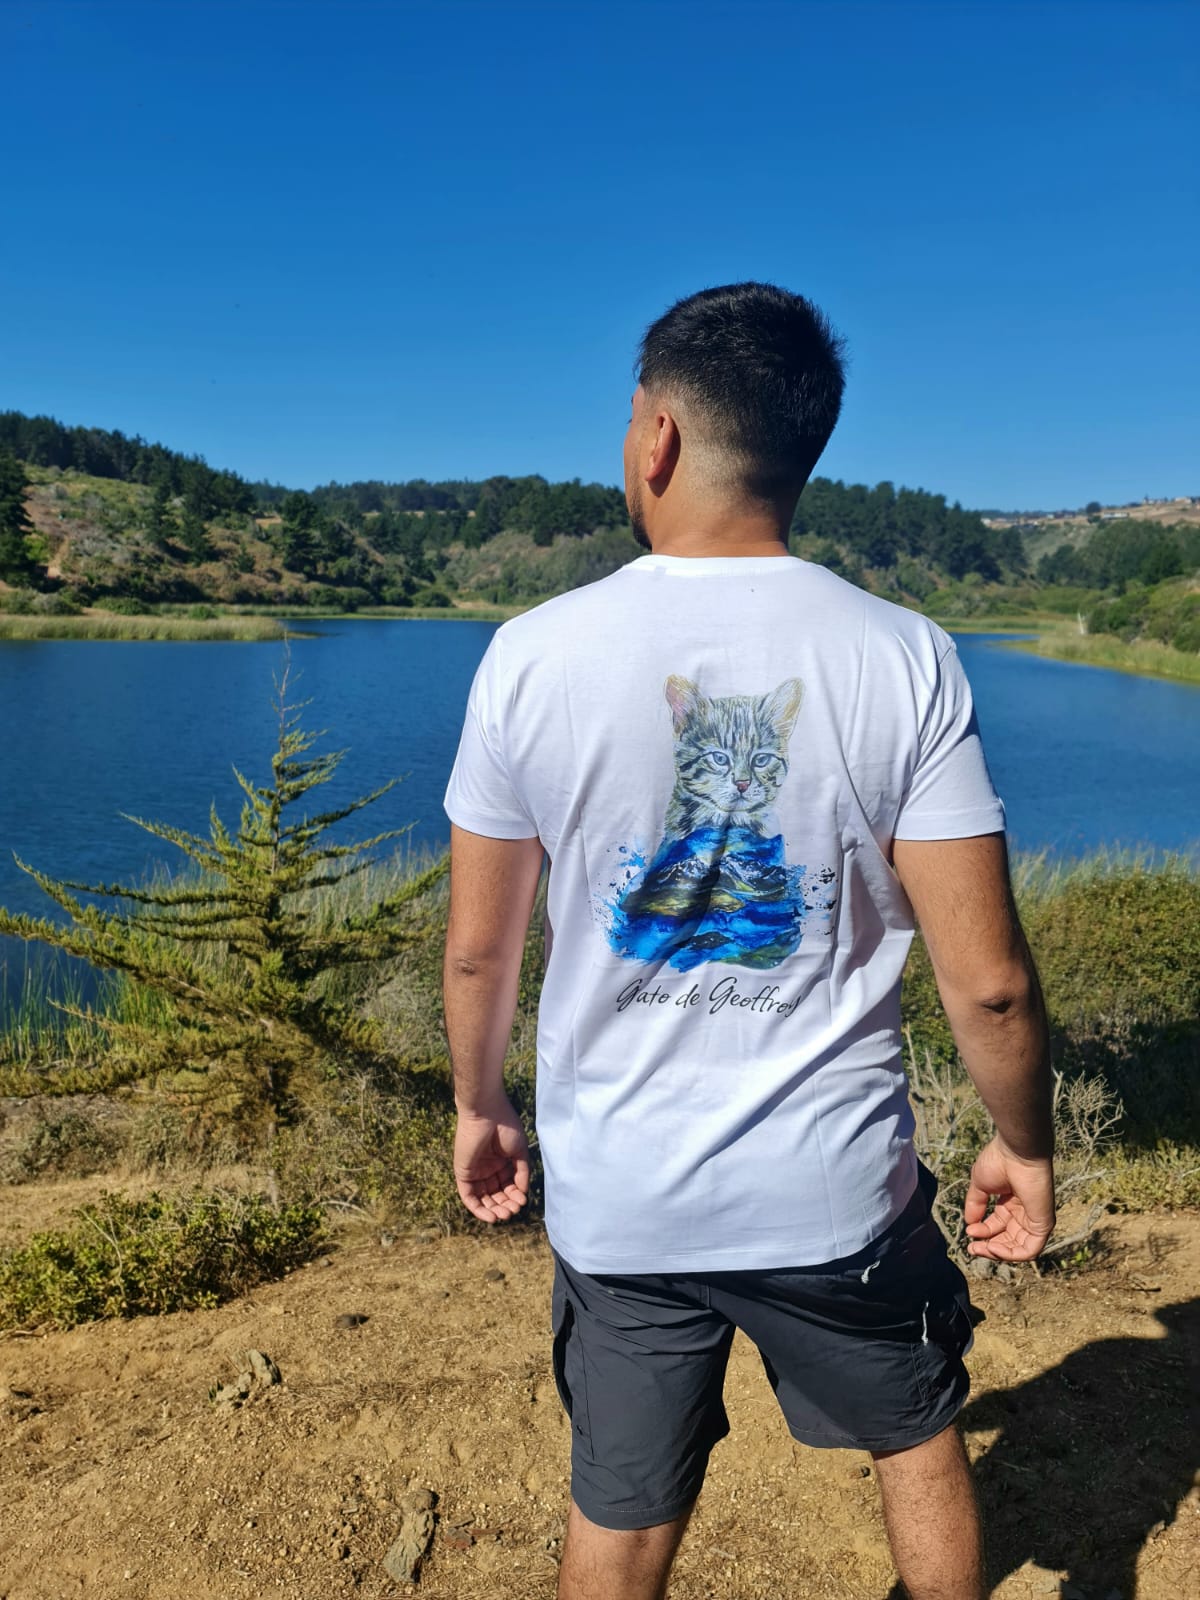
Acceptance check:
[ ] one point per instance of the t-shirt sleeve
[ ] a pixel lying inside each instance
(480, 796)
(950, 794)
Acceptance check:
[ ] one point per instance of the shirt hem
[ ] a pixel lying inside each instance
(776, 1255)
(490, 827)
(953, 825)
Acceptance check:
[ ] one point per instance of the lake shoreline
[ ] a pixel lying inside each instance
(1141, 660)
(251, 625)
(1052, 636)
(1145, 658)
(1055, 639)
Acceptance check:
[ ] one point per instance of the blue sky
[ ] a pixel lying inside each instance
(316, 240)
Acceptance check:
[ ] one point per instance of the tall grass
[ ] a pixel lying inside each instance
(36, 1003)
(464, 611)
(1145, 657)
(146, 627)
(1116, 936)
(1038, 875)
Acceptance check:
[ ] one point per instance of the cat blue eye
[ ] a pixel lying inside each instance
(762, 759)
(719, 759)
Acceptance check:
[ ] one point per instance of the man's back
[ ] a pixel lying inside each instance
(748, 776)
(717, 755)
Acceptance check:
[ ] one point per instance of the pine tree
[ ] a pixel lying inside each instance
(17, 565)
(238, 952)
(159, 520)
(193, 532)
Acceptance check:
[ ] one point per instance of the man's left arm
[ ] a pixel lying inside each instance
(493, 883)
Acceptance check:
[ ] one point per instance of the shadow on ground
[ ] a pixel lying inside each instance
(1094, 1457)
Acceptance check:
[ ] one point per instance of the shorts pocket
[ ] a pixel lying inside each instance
(569, 1374)
(947, 1331)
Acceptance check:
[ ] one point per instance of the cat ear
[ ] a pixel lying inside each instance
(683, 697)
(783, 706)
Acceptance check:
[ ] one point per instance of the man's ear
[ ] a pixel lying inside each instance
(664, 449)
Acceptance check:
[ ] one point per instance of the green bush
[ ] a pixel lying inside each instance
(1117, 945)
(1168, 612)
(59, 603)
(128, 1258)
(381, 1141)
(1119, 956)
(124, 605)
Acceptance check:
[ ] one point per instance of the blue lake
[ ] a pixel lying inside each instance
(89, 730)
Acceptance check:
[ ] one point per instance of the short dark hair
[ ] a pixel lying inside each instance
(763, 369)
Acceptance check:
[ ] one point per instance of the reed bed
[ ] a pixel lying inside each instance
(1144, 657)
(115, 627)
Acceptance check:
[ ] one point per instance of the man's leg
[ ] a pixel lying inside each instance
(607, 1564)
(932, 1518)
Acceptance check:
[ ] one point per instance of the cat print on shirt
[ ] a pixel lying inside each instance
(730, 756)
(719, 887)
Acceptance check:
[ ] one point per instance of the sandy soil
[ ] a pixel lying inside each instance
(119, 1478)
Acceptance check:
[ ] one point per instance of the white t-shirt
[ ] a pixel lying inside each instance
(716, 754)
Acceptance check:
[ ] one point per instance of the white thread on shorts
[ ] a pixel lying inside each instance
(925, 1323)
(867, 1271)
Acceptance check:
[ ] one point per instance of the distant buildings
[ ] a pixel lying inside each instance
(1148, 505)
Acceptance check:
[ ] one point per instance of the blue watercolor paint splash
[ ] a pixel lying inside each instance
(717, 894)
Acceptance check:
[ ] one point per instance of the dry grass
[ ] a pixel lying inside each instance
(1144, 657)
(107, 625)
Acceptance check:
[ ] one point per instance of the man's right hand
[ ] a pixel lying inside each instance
(1022, 1219)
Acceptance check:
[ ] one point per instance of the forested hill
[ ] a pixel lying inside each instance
(102, 453)
(110, 517)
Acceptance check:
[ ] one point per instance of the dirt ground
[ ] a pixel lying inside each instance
(119, 1478)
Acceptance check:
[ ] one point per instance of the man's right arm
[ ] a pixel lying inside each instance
(960, 892)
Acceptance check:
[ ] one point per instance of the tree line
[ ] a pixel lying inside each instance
(880, 527)
(392, 514)
(104, 453)
(420, 541)
(1122, 552)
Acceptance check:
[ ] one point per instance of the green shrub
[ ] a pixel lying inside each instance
(128, 1258)
(1119, 957)
(381, 1141)
(1167, 1175)
(1117, 944)
(124, 605)
(60, 603)
(1167, 611)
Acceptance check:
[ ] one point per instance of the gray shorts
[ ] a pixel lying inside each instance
(863, 1353)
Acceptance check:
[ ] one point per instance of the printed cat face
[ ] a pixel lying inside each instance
(730, 752)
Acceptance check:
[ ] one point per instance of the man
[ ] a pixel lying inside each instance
(748, 775)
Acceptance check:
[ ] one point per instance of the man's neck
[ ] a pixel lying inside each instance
(749, 534)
